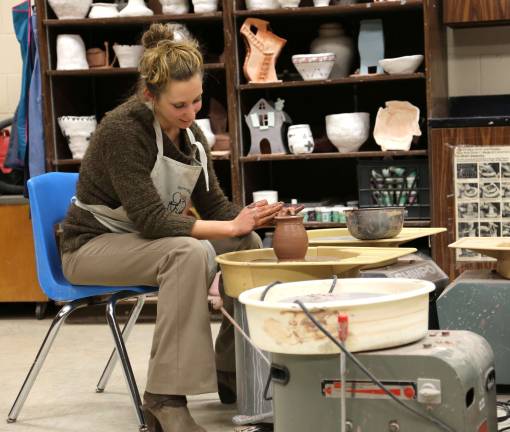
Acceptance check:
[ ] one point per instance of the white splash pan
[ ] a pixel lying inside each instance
(394, 313)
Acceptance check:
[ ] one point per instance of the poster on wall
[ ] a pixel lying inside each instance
(482, 195)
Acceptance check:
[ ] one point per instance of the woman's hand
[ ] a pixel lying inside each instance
(254, 216)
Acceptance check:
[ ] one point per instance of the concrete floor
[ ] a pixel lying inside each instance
(63, 398)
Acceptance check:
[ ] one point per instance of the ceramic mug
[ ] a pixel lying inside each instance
(300, 139)
(269, 195)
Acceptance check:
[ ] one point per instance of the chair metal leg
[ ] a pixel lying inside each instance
(126, 365)
(126, 331)
(59, 319)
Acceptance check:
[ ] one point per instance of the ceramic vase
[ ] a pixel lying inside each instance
(77, 130)
(70, 9)
(128, 55)
(262, 4)
(290, 241)
(175, 7)
(262, 49)
(71, 52)
(104, 10)
(300, 139)
(136, 8)
(289, 3)
(332, 38)
(204, 6)
(205, 127)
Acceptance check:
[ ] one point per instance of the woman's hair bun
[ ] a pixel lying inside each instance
(157, 33)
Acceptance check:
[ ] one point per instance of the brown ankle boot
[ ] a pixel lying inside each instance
(168, 413)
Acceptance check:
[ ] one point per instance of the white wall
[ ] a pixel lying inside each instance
(479, 61)
(10, 61)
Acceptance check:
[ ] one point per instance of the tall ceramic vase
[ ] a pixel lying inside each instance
(332, 38)
(290, 241)
(136, 8)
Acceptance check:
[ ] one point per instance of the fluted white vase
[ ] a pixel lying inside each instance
(71, 52)
(136, 8)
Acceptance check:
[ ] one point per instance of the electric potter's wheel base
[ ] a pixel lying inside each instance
(479, 300)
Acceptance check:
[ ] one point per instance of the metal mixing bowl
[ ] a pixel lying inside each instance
(375, 223)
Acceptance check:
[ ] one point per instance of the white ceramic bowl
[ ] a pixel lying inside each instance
(269, 195)
(70, 9)
(128, 55)
(262, 4)
(77, 130)
(103, 10)
(401, 65)
(382, 313)
(314, 66)
(72, 125)
(348, 131)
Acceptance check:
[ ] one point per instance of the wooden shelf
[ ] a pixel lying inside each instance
(114, 71)
(324, 225)
(336, 155)
(340, 81)
(142, 20)
(77, 162)
(362, 8)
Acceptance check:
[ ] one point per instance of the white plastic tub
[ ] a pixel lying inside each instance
(382, 313)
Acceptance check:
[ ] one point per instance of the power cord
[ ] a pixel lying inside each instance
(352, 358)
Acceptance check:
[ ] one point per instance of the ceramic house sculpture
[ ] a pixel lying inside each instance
(371, 46)
(262, 49)
(266, 125)
(396, 125)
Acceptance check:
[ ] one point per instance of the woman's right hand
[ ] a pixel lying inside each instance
(254, 216)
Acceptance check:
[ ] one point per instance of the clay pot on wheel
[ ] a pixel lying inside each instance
(290, 241)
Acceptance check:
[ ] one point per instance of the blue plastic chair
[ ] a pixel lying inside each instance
(50, 196)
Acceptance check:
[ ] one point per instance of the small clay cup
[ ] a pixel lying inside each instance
(290, 241)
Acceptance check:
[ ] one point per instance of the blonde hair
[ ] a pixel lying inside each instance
(166, 59)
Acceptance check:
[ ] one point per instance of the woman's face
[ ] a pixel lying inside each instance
(178, 105)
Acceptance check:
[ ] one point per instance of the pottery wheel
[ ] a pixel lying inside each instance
(326, 297)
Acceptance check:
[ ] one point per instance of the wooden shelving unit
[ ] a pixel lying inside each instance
(96, 91)
(328, 173)
(411, 27)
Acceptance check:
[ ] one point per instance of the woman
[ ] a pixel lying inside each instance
(146, 162)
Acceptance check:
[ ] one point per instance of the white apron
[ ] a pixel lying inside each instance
(174, 182)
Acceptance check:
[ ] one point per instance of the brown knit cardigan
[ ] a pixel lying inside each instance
(115, 171)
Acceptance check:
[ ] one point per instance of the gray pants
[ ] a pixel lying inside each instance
(182, 359)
